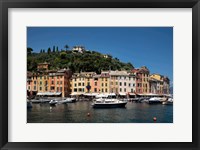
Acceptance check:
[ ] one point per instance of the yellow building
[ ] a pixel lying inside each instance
(81, 82)
(42, 81)
(161, 85)
(105, 82)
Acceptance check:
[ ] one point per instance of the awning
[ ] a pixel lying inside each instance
(49, 93)
(74, 93)
(123, 94)
(91, 94)
(131, 93)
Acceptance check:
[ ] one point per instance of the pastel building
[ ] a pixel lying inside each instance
(142, 80)
(96, 84)
(81, 83)
(43, 66)
(59, 81)
(125, 82)
(159, 84)
(104, 82)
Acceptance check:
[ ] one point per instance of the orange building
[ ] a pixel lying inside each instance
(60, 82)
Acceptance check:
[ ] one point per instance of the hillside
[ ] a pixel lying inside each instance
(87, 61)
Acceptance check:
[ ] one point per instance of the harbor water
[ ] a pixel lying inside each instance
(83, 112)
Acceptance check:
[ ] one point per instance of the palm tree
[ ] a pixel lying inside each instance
(66, 46)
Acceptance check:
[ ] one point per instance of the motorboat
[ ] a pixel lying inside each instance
(67, 100)
(109, 102)
(155, 100)
(168, 102)
(53, 102)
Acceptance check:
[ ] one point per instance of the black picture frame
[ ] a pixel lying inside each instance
(6, 4)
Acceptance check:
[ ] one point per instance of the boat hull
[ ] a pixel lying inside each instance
(107, 105)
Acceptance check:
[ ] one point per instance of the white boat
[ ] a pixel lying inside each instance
(168, 102)
(67, 100)
(109, 102)
(155, 100)
(53, 102)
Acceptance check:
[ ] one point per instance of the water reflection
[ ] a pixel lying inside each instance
(78, 113)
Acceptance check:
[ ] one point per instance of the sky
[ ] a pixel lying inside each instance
(142, 46)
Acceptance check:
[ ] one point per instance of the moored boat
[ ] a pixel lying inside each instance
(168, 102)
(67, 100)
(155, 100)
(53, 102)
(109, 101)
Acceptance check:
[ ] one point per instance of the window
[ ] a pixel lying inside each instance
(79, 84)
(83, 84)
(106, 84)
(52, 82)
(120, 89)
(57, 82)
(52, 88)
(34, 82)
(83, 89)
(129, 84)
(57, 88)
(116, 83)
(120, 83)
(131, 90)
(60, 88)
(95, 89)
(60, 82)
(133, 84)
(102, 79)
(29, 87)
(34, 87)
(79, 89)
(40, 77)
(95, 83)
(106, 90)
(102, 90)
(124, 83)
(102, 84)
(75, 89)
(124, 89)
(40, 82)
(74, 84)
(106, 79)
(46, 89)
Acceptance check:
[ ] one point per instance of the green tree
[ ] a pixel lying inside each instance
(54, 49)
(49, 50)
(63, 55)
(29, 50)
(57, 49)
(66, 47)
(43, 51)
